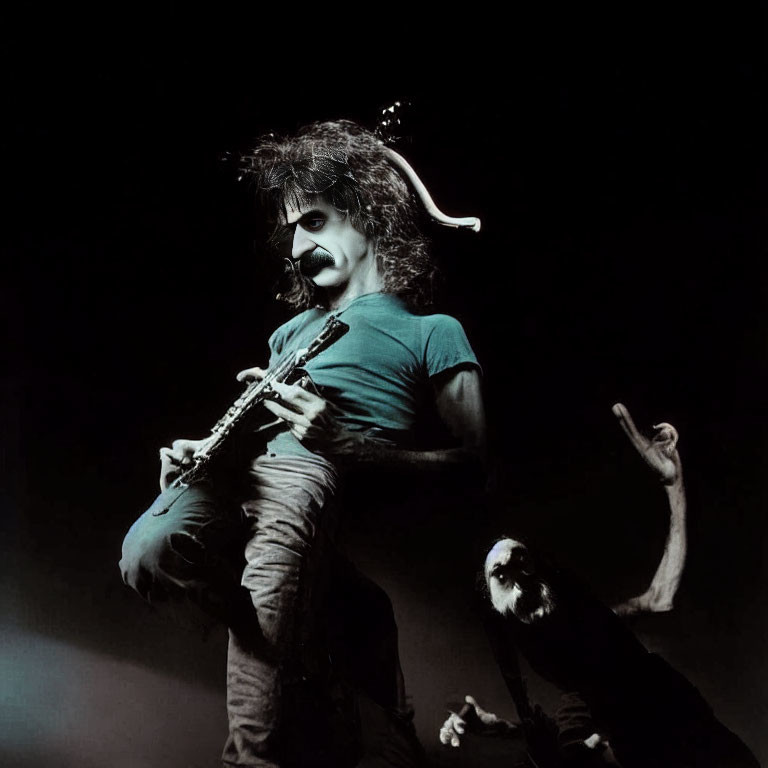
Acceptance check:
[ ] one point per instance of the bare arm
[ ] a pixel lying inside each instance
(459, 401)
(660, 453)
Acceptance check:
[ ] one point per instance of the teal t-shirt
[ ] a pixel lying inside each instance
(378, 373)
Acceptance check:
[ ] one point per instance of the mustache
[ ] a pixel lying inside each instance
(311, 263)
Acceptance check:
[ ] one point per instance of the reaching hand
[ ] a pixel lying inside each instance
(474, 718)
(660, 452)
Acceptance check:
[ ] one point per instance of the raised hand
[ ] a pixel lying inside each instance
(660, 452)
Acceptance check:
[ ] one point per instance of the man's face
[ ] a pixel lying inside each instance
(326, 247)
(513, 585)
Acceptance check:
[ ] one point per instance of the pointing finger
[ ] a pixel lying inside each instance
(628, 425)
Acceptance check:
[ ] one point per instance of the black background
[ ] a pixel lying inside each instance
(616, 165)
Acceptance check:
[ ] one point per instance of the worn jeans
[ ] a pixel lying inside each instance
(193, 554)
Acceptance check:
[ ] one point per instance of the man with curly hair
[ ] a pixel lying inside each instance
(342, 207)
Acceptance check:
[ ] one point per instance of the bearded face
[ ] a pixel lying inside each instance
(513, 586)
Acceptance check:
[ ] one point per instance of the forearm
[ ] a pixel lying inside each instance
(666, 580)
(660, 595)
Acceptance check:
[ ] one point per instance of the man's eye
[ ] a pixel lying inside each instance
(313, 225)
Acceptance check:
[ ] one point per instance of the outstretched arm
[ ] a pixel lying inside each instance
(660, 453)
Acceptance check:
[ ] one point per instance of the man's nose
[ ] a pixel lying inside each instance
(302, 244)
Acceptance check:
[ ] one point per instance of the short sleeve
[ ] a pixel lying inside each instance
(446, 345)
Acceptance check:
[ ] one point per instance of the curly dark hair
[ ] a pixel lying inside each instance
(348, 167)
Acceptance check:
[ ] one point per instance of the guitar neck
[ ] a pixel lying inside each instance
(256, 392)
